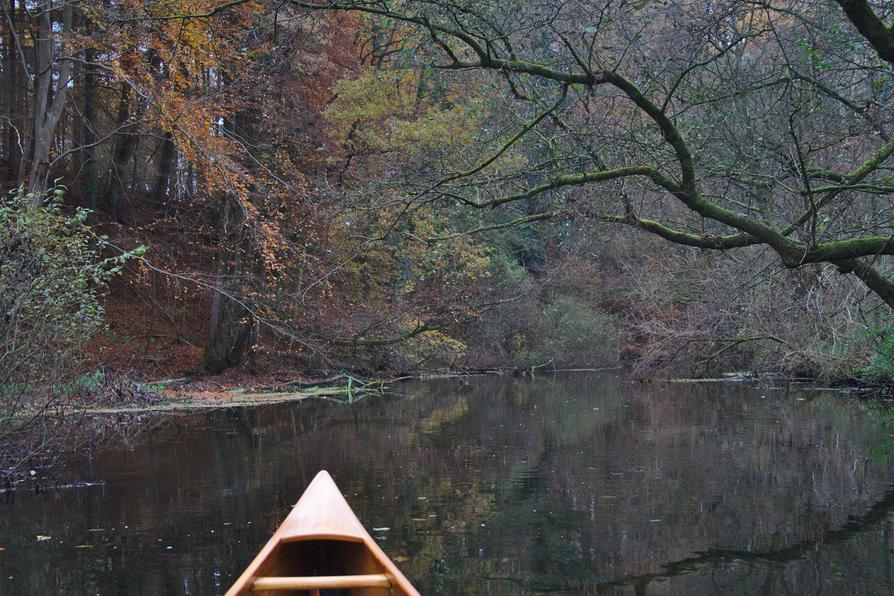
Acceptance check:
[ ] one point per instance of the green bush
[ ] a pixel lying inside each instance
(880, 368)
(570, 332)
(52, 280)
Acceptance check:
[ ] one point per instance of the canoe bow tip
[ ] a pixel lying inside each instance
(323, 474)
(323, 480)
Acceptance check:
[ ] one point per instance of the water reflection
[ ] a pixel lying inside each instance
(573, 484)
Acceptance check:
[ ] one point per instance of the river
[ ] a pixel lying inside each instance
(577, 483)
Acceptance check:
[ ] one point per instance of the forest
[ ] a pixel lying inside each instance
(250, 189)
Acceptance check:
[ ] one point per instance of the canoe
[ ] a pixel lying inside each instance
(322, 546)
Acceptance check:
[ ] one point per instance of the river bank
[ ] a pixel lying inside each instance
(207, 393)
(188, 395)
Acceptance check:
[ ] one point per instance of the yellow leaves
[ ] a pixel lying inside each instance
(407, 266)
(434, 346)
(272, 246)
(373, 96)
(181, 66)
(388, 110)
(437, 128)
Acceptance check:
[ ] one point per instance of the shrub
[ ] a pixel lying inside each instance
(52, 280)
(570, 332)
(880, 368)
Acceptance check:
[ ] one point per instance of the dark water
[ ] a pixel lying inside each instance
(572, 484)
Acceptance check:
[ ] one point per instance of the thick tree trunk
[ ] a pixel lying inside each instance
(231, 329)
(862, 14)
(230, 335)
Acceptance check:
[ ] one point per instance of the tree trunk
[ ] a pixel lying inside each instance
(46, 114)
(125, 144)
(230, 332)
(229, 337)
(165, 169)
(10, 77)
(89, 130)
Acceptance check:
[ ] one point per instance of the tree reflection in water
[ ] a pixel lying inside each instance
(575, 483)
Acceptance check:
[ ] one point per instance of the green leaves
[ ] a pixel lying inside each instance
(53, 278)
(880, 368)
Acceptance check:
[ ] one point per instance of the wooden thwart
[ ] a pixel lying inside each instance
(322, 582)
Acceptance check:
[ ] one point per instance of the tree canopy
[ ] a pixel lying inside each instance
(715, 126)
(395, 184)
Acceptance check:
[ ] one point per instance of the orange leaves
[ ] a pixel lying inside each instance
(192, 74)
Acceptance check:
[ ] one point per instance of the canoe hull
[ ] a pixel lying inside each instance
(322, 542)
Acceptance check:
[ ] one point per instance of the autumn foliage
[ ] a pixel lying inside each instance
(405, 186)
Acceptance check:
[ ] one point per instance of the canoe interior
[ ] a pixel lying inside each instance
(323, 557)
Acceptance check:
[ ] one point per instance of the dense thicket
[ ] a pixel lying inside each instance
(427, 183)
